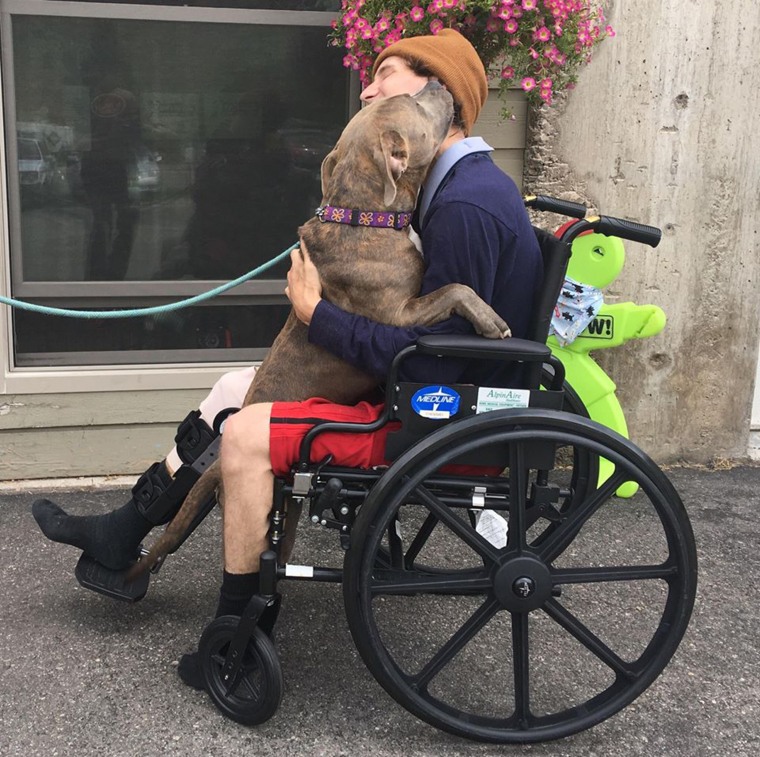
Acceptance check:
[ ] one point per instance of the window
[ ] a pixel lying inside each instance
(151, 158)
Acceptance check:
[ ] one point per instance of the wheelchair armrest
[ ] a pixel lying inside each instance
(479, 347)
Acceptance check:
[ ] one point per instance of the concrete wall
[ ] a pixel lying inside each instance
(662, 128)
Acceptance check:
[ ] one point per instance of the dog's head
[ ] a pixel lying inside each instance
(386, 148)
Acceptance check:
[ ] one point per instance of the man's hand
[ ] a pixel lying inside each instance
(304, 289)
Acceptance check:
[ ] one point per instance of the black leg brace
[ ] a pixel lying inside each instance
(156, 494)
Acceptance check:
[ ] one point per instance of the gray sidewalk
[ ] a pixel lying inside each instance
(83, 675)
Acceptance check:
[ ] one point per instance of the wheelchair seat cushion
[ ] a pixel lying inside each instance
(290, 421)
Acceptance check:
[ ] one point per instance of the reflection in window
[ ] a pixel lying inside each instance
(175, 150)
(161, 151)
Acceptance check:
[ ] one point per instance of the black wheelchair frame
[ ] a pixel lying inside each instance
(533, 595)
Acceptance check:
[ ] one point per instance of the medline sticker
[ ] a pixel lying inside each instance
(438, 402)
(490, 398)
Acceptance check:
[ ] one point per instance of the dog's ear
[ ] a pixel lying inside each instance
(328, 166)
(396, 157)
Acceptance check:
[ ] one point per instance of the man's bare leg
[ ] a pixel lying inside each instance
(248, 486)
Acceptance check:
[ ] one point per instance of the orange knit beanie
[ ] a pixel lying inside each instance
(454, 61)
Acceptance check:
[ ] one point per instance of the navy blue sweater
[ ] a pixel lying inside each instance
(476, 232)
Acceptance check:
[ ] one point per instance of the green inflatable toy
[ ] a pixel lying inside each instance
(597, 261)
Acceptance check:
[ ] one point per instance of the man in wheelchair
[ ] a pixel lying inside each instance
(474, 230)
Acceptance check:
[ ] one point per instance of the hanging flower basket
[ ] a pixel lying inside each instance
(536, 45)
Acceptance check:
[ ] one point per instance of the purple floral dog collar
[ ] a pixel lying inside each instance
(380, 219)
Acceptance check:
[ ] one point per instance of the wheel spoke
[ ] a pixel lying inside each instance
(520, 658)
(458, 640)
(558, 540)
(420, 539)
(617, 573)
(254, 690)
(463, 530)
(395, 546)
(402, 581)
(517, 498)
(588, 638)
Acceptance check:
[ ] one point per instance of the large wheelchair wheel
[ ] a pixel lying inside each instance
(256, 694)
(547, 636)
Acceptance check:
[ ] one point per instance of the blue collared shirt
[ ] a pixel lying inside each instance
(444, 164)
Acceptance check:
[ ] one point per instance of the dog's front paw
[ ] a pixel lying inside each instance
(495, 328)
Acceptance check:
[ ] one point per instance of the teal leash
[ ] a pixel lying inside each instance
(157, 309)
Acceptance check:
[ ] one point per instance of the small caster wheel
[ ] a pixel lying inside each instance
(258, 692)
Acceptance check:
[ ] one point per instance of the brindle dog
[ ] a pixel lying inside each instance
(378, 163)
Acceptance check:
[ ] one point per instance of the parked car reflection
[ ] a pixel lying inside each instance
(36, 168)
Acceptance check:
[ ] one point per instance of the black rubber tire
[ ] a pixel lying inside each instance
(669, 585)
(259, 692)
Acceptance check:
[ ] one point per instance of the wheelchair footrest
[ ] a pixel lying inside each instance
(96, 577)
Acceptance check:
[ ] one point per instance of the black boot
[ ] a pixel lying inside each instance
(112, 539)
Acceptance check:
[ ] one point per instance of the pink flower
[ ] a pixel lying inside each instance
(511, 26)
(610, 31)
(528, 83)
(546, 83)
(436, 26)
(543, 34)
(417, 13)
(508, 72)
(529, 5)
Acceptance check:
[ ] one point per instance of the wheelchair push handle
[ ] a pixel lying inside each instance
(555, 205)
(613, 227)
(607, 225)
(635, 232)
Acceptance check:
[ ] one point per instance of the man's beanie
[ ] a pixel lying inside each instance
(454, 61)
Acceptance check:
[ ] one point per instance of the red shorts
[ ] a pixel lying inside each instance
(290, 422)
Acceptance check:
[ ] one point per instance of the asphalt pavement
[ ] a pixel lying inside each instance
(84, 675)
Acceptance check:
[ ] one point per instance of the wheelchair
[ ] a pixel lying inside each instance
(491, 584)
